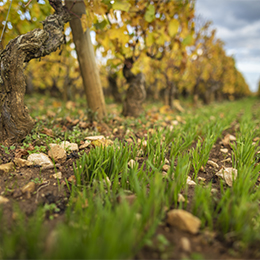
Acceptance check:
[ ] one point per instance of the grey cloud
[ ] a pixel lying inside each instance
(238, 25)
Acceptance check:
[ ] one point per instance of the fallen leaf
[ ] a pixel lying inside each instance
(48, 132)
(164, 110)
(102, 142)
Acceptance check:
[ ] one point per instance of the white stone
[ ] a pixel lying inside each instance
(212, 163)
(131, 163)
(70, 146)
(166, 167)
(228, 174)
(190, 181)
(232, 138)
(224, 150)
(144, 144)
(3, 200)
(201, 179)
(214, 191)
(180, 198)
(185, 244)
(166, 161)
(57, 175)
(93, 138)
(40, 159)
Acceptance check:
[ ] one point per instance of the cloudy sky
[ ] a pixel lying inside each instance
(238, 25)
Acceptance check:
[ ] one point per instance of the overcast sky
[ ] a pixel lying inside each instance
(238, 25)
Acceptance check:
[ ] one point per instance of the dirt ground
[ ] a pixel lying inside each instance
(206, 244)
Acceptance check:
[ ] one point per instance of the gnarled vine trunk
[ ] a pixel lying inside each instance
(15, 121)
(136, 92)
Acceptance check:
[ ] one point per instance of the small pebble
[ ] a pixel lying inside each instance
(224, 150)
(185, 244)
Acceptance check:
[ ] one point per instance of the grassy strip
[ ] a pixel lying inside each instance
(101, 221)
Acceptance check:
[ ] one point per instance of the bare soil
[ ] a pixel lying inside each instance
(49, 190)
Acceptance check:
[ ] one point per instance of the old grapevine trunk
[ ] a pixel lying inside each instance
(15, 121)
(136, 92)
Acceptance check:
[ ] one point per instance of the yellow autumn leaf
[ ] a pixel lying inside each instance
(173, 27)
(149, 40)
(122, 5)
(165, 109)
(102, 142)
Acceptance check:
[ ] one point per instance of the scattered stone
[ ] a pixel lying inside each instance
(213, 164)
(3, 200)
(131, 163)
(22, 163)
(214, 191)
(227, 139)
(166, 161)
(232, 138)
(185, 244)
(166, 167)
(85, 145)
(164, 174)
(93, 138)
(7, 167)
(227, 160)
(29, 187)
(181, 198)
(83, 125)
(190, 181)
(228, 174)
(58, 154)
(140, 152)
(129, 140)
(72, 179)
(256, 139)
(144, 144)
(202, 179)
(202, 168)
(224, 150)
(175, 122)
(70, 146)
(40, 159)
(57, 175)
(183, 220)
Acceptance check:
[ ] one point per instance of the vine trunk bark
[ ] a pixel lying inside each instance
(136, 92)
(15, 121)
